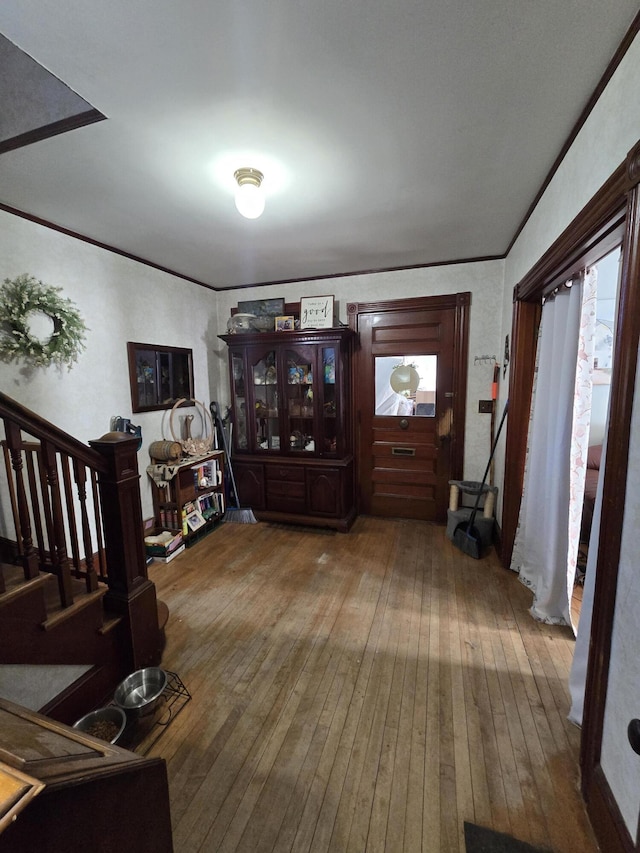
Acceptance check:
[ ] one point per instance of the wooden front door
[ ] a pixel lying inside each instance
(410, 382)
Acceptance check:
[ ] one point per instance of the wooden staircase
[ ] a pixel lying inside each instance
(73, 580)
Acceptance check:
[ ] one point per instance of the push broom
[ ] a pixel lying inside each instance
(234, 514)
(465, 536)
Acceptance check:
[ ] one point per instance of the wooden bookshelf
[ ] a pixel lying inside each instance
(193, 499)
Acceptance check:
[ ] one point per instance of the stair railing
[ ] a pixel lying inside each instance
(76, 512)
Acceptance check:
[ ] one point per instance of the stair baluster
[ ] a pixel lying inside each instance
(29, 558)
(77, 515)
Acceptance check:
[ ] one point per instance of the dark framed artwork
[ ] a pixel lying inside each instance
(159, 376)
(262, 307)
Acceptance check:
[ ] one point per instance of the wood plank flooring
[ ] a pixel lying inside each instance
(363, 692)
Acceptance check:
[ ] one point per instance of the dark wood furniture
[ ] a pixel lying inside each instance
(96, 796)
(292, 430)
(73, 577)
(198, 482)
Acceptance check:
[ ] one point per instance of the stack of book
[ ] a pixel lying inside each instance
(164, 546)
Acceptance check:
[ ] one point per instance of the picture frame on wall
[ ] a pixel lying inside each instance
(316, 312)
(159, 376)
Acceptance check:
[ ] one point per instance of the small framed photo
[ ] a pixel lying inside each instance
(316, 312)
(285, 323)
(195, 520)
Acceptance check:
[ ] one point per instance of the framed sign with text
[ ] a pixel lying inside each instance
(316, 312)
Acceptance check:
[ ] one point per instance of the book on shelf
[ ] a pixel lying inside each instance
(170, 518)
(211, 504)
(207, 474)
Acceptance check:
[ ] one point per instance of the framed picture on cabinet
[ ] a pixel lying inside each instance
(316, 312)
(262, 307)
(285, 323)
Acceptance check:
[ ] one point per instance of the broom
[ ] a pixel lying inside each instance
(466, 537)
(234, 514)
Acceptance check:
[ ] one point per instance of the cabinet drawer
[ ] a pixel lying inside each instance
(286, 497)
(285, 473)
(277, 489)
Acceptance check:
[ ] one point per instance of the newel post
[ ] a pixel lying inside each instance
(131, 594)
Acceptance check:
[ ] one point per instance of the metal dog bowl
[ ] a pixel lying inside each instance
(139, 693)
(105, 723)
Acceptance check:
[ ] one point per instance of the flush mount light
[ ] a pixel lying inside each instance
(249, 195)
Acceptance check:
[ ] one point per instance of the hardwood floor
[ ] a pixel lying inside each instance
(368, 691)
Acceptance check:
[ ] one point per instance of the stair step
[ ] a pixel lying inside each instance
(61, 614)
(109, 623)
(16, 591)
(32, 685)
(18, 587)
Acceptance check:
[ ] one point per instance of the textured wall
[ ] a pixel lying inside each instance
(120, 301)
(600, 147)
(610, 132)
(483, 280)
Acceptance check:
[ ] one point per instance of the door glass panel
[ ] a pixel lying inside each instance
(329, 401)
(239, 395)
(406, 385)
(300, 402)
(265, 396)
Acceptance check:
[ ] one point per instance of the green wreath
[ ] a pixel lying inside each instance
(20, 298)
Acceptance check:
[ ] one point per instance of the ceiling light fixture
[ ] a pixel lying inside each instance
(249, 195)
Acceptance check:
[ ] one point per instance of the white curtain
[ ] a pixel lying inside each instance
(578, 674)
(546, 544)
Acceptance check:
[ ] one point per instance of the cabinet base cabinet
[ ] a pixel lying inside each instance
(293, 427)
(313, 494)
(324, 492)
(249, 478)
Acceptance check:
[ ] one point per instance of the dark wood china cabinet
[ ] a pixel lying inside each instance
(292, 432)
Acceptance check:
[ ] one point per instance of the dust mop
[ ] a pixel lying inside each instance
(466, 537)
(234, 514)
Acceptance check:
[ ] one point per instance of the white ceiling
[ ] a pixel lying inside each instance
(391, 134)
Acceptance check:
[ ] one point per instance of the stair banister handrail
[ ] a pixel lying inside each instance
(34, 424)
(113, 457)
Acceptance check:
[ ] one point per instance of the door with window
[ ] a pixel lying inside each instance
(410, 382)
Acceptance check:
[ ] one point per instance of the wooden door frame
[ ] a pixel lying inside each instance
(610, 218)
(460, 303)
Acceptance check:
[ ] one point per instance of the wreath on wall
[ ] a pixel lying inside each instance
(21, 299)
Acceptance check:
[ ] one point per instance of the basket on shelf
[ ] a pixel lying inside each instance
(194, 446)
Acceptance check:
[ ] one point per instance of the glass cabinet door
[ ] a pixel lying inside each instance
(330, 436)
(264, 374)
(239, 400)
(299, 384)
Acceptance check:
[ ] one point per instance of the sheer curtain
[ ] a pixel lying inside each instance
(546, 544)
(578, 674)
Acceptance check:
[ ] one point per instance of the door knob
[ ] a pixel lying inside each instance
(633, 733)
